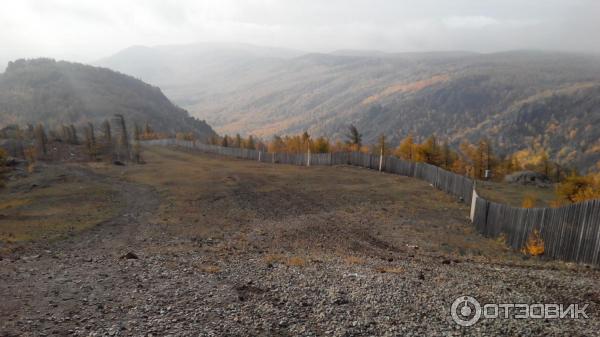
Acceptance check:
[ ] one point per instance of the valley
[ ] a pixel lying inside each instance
(519, 99)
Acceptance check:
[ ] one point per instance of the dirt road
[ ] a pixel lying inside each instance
(236, 248)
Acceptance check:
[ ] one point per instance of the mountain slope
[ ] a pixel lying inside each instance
(185, 71)
(516, 98)
(43, 90)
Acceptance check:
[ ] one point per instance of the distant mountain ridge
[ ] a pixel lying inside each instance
(517, 98)
(57, 92)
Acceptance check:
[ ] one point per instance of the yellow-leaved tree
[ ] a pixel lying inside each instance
(577, 188)
(320, 145)
(529, 201)
(406, 148)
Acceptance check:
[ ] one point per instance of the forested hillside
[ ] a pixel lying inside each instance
(524, 101)
(55, 93)
(519, 99)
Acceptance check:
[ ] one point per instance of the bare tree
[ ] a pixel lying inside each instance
(137, 132)
(107, 139)
(148, 130)
(122, 152)
(381, 144)
(41, 139)
(137, 147)
(65, 133)
(90, 141)
(107, 133)
(74, 139)
(54, 135)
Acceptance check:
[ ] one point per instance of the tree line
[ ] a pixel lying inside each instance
(472, 159)
(112, 140)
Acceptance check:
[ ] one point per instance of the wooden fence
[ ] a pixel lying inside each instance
(570, 233)
(454, 184)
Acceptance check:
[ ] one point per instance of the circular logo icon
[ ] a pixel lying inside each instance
(466, 311)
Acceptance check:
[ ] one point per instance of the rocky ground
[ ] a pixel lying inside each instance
(247, 249)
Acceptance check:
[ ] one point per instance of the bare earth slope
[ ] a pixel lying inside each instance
(238, 248)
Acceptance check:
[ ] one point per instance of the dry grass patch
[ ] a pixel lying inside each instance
(354, 260)
(13, 203)
(210, 269)
(516, 195)
(502, 241)
(209, 196)
(274, 258)
(296, 261)
(50, 203)
(293, 261)
(389, 270)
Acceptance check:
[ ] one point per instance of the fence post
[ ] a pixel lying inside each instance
(473, 203)
(380, 159)
(259, 152)
(308, 161)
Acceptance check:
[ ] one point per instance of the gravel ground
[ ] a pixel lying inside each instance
(320, 271)
(177, 295)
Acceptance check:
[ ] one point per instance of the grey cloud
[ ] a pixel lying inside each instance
(89, 30)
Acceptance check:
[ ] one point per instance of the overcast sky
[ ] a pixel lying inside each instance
(87, 30)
